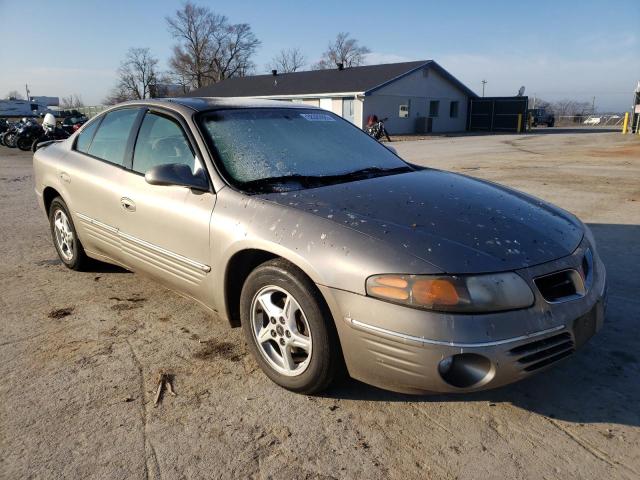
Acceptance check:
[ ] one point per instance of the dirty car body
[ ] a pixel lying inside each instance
(432, 281)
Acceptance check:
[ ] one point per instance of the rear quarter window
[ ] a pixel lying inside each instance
(85, 137)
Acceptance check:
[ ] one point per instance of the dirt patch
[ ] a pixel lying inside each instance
(122, 307)
(130, 303)
(131, 299)
(626, 151)
(212, 349)
(59, 313)
(48, 263)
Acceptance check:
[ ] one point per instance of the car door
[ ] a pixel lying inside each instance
(93, 174)
(165, 229)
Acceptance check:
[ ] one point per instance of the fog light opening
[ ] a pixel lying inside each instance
(466, 370)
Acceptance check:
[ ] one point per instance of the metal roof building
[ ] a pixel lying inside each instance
(416, 96)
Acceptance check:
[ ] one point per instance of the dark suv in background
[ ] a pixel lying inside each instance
(540, 116)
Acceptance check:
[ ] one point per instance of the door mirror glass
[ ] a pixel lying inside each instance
(177, 174)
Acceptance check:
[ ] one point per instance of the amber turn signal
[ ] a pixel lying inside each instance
(435, 292)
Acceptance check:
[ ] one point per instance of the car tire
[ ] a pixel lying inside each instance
(308, 371)
(65, 238)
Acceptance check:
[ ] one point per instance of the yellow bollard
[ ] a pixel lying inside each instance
(519, 122)
(625, 124)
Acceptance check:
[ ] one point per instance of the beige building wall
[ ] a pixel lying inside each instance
(358, 112)
(336, 106)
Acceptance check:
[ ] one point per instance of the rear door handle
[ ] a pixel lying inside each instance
(128, 204)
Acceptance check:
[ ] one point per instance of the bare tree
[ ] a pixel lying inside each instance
(14, 94)
(344, 50)
(209, 48)
(137, 77)
(72, 101)
(116, 95)
(287, 61)
(570, 108)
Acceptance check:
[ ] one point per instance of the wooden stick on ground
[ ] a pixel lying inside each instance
(159, 390)
(164, 382)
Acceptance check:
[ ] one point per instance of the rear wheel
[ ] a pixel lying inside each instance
(288, 329)
(65, 238)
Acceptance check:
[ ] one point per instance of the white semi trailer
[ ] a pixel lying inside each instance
(33, 107)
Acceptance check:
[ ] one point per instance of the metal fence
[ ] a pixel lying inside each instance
(590, 121)
(91, 111)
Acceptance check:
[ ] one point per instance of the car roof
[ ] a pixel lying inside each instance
(200, 104)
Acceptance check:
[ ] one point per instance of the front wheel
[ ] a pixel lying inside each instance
(288, 328)
(24, 143)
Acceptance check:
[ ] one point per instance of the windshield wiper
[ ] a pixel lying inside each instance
(371, 172)
(269, 184)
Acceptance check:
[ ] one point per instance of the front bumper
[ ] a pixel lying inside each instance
(399, 348)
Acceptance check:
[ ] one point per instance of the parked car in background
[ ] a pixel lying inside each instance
(324, 246)
(73, 123)
(541, 116)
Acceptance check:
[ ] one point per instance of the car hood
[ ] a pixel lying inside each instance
(456, 223)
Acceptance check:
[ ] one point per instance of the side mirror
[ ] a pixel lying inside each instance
(176, 174)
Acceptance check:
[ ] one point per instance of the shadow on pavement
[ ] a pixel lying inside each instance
(598, 384)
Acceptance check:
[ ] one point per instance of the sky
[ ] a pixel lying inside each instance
(556, 49)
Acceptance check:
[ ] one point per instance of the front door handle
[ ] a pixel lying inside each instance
(128, 204)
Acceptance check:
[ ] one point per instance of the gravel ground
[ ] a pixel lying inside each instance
(80, 354)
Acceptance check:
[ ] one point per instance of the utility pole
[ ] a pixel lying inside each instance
(593, 106)
(484, 82)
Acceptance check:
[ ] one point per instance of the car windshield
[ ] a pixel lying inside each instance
(281, 149)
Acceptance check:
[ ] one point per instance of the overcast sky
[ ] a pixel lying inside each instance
(556, 49)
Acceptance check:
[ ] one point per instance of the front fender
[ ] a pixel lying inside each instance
(329, 253)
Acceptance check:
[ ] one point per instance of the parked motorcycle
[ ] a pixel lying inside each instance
(376, 129)
(25, 134)
(48, 132)
(8, 138)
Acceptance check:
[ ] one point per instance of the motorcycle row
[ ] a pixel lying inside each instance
(27, 134)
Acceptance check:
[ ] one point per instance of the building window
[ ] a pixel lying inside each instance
(434, 107)
(453, 109)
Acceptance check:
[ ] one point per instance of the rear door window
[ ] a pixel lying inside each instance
(110, 141)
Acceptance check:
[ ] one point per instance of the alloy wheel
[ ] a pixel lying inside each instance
(64, 235)
(281, 330)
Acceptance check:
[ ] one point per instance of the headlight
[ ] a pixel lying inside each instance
(453, 293)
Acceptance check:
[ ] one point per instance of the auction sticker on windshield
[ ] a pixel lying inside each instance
(317, 117)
